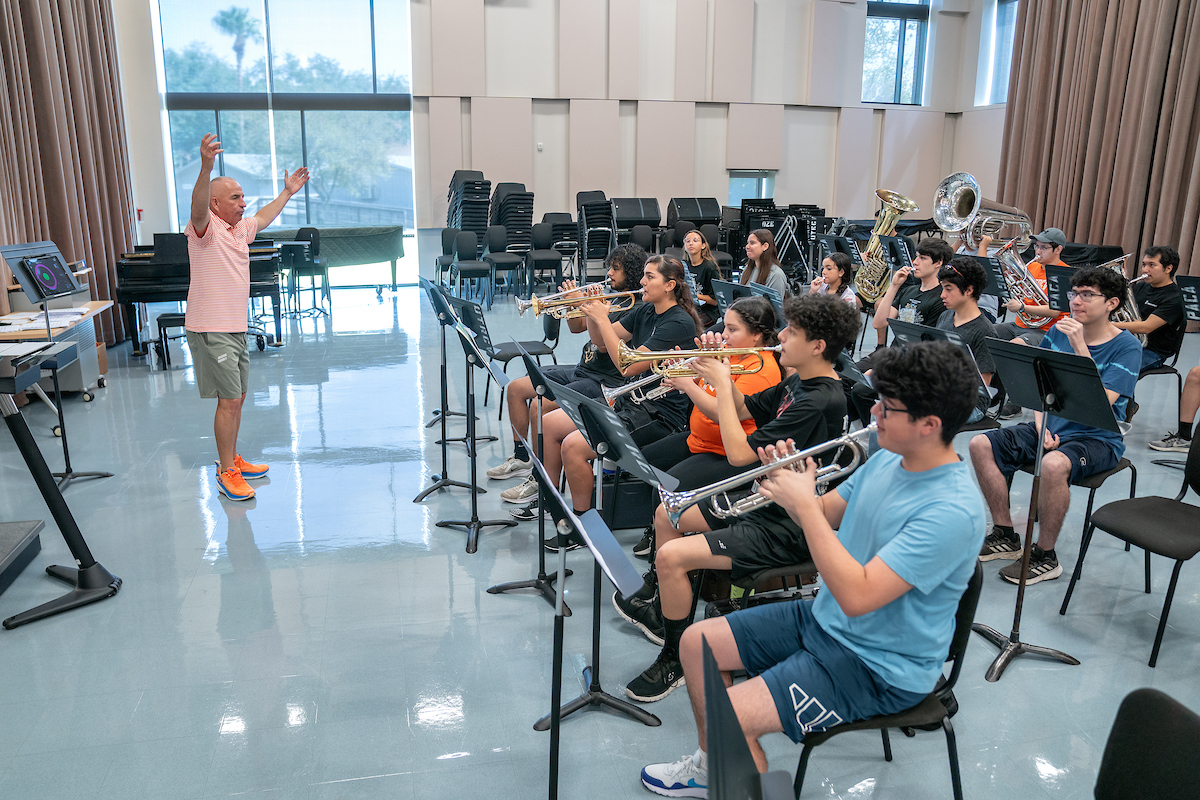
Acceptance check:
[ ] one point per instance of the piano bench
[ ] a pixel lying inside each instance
(163, 347)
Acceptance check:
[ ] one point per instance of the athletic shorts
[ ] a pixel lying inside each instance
(1010, 330)
(222, 364)
(567, 375)
(1016, 446)
(765, 538)
(815, 681)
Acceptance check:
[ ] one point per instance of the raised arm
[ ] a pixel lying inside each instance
(883, 309)
(291, 184)
(202, 191)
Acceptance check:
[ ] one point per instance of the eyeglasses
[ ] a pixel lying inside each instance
(885, 410)
(1042, 246)
(1087, 297)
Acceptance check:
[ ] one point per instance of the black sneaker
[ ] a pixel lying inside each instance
(572, 542)
(525, 513)
(1010, 410)
(659, 679)
(644, 614)
(1043, 566)
(999, 544)
(727, 605)
(645, 545)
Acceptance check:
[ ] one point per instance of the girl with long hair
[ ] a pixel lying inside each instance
(762, 262)
(836, 278)
(700, 263)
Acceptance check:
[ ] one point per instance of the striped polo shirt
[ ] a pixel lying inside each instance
(220, 269)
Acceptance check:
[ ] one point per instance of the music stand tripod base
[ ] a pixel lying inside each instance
(1010, 649)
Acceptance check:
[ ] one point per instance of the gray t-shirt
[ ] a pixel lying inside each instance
(975, 333)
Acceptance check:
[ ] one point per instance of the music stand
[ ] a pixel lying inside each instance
(913, 333)
(606, 434)
(445, 316)
(543, 583)
(1068, 386)
(728, 292)
(775, 297)
(475, 358)
(1058, 283)
(828, 244)
(996, 284)
(471, 315)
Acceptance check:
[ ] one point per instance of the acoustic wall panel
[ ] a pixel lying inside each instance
(594, 149)
(457, 48)
(665, 150)
(839, 34)
(691, 49)
(422, 45)
(857, 157)
(551, 164)
(733, 46)
(712, 127)
(583, 49)
(910, 154)
(624, 48)
(977, 143)
(445, 153)
(755, 137)
(810, 146)
(521, 48)
(502, 139)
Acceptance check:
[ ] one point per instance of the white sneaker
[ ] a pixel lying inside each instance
(511, 468)
(522, 493)
(682, 778)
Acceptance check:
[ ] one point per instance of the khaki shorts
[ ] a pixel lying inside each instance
(222, 364)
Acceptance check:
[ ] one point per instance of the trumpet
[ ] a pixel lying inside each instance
(627, 357)
(569, 307)
(634, 389)
(538, 303)
(717, 494)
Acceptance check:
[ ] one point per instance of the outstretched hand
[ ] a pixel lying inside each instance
(209, 149)
(295, 181)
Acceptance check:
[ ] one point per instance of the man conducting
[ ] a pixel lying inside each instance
(219, 251)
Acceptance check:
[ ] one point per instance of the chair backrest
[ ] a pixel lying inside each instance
(962, 623)
(589, 197)
(711, 235)
(313, 237)
(1151, 750)
(466, 246)
(681, 230)
(496, 239)
(541, 236)
(448, 235)
(551, 328)
(558, 217)
(642, 236)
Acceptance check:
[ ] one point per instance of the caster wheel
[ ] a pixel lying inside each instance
(102, 382)
(88, 397)
(261, 341)
(57, 431)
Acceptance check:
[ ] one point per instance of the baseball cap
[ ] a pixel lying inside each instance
(1052, 236)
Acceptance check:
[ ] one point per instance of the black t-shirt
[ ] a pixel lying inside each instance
(810, 412)
(666, 331)
(595, 364)
(975, 333)
(705, 274)
(1166, 303)
(923, 308)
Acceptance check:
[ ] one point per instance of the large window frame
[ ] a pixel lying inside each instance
(1004, 21)
(904, 13)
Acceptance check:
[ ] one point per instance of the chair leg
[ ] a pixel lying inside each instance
(887, 744)
(952, 751)
(1147, 571)
(1083, 547)
(1162, 621)
(696, 584)
(801, 768)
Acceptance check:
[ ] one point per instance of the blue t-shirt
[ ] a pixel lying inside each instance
(1118, 361)
(928, 528)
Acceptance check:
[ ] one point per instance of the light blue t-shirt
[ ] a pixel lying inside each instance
(928, 528)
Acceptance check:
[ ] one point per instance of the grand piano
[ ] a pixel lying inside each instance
(161, 274)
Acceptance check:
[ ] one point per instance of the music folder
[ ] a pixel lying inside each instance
(996, 285)
(1058, 283)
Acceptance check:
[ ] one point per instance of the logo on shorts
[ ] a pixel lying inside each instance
(811, 714)
(721, 544)
(1083, 461)
(221, 358)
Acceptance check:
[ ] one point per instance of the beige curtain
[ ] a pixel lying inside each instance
(64, 175)
(1101, 136)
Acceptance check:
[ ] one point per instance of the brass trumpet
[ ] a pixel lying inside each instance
(537, 303)
(569, 307)
(637, 391)
(627, 357)
(677, 502)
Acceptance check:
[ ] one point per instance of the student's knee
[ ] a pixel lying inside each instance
(663, 528)
(1056, 467)
(981, 449)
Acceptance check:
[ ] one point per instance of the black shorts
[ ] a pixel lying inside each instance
(765, 538)
(569, 376)
(1016, 446)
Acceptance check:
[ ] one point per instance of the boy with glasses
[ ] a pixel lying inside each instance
(1072, 451)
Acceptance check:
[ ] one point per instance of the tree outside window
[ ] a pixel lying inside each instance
(894, 57)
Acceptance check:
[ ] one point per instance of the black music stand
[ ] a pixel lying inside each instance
(607, 435)
(1068, 386)
(445, 317)
(475, 358)
(996, 284)
(471, 315)
(543, 583)
(732, 773)
(1058, 283)
(607, 553)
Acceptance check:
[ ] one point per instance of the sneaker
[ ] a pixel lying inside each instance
(645, 545)
(1043, 566)
(522, 493)
(513, 467)
(1010, 410)
(554, 543)
(525, 513)
(728, 605)
(1171, 443)
(248, 470)
(1130, 410)
(644, 614)
(658, 681)
(231, 484)
(1000, 545)
(683, 778)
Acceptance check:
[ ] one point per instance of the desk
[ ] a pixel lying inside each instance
(19, 543)
(83, 375)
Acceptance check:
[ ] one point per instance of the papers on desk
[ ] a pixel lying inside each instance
(22, 349)
(36, 320)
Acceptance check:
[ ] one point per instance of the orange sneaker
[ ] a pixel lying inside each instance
(231, 484)
(248, 470)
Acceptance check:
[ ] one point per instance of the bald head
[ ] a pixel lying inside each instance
(227, 199)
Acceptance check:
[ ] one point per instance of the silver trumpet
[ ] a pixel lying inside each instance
(678, 502)
(635, 389)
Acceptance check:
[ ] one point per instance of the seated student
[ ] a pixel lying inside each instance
(919, 302)
(666, 319)
(1189, 403)
(836, 278)
(874, 640)
(808, 407)
(701, 263)
(1160, 305)
(963, 279)
(594, 371)
(1047, 247)
(762, 262)
(1072, 451)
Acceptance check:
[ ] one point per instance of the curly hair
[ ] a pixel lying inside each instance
(823, 316)
(631, 259)
(1108, 282)
(931, 379)
(672, 269)
(965, 273)
(938, 250)
(759, 317)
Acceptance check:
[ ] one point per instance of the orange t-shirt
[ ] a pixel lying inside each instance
(706, 434)
(1038, 273)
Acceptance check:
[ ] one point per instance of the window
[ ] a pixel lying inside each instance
(894, 58)
(1004, 25)
(753, 184)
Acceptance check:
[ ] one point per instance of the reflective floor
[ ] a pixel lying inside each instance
(327, 641)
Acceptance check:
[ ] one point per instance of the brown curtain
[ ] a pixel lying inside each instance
(64, 176)
(1102, 131)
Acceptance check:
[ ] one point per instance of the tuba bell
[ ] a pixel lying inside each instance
(959, 207)
(871, 282)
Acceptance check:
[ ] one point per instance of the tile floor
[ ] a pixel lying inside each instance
(327, 641)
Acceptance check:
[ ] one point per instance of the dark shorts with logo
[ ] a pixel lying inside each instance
(569, 376)
(1016, 446)
(765, 538)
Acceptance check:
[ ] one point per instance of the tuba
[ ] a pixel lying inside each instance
(871, 282)
(1021, 284)
(959, 207)
(1128, 310)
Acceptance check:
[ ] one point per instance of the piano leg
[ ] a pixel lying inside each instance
(278, 312)
(135, 324)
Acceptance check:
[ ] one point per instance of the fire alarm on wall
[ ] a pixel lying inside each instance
(539, 147)
(139, 215)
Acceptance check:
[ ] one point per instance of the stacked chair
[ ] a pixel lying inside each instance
(597, 229)
(469, 198)
(512, 207)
